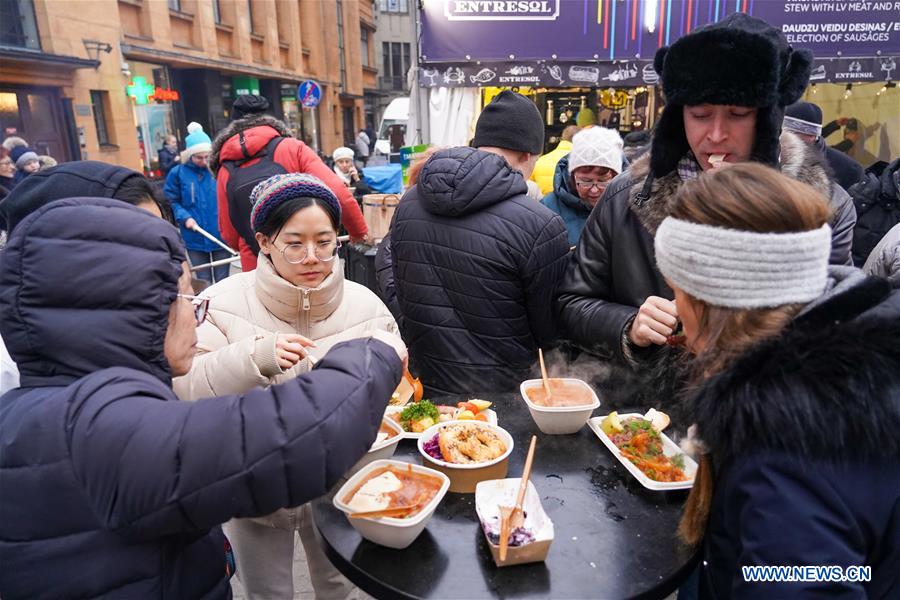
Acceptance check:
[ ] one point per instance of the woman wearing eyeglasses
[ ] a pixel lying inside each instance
(7, 173)
(260, 329)
(582, 176)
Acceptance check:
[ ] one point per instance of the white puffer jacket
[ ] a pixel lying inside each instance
(236, 343)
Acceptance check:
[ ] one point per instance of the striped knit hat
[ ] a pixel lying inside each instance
(269, 194)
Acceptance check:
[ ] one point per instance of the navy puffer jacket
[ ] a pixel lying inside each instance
(112, 487)
(801, 432)
(476, 264)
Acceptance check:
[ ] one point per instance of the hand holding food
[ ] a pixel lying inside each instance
(656, 319)
(677, 338)
(290, 349)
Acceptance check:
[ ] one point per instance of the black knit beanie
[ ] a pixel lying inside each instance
(511, 121)
(247, 105)
(740, 60)
(805, 111)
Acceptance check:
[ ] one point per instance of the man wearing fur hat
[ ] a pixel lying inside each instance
(726, 87)
(257, 139)
(583, 175)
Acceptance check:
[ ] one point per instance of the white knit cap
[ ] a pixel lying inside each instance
(743, 269)
(342, 152)
(596, 147)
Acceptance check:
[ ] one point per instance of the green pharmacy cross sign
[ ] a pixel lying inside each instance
(140, 90)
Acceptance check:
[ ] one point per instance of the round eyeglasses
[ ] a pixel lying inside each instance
(297, 253)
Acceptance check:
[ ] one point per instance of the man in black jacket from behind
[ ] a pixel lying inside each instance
(475, 261)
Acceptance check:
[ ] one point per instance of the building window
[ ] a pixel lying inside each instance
(217, 12)
(396, 64)
(100, 105)
(394, 6)
(250, 13)
(340, 41)
(364, 45)
(17, 24)
(175, 5)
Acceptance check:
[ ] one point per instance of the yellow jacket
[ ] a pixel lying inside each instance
(546, 167)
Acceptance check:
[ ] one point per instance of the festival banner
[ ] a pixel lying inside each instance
(457, 31)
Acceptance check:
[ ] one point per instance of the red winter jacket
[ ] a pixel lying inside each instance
(293, 155)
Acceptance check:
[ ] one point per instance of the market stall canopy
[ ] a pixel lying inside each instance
(565, 43)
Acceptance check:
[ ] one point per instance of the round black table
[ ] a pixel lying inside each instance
(613, 537)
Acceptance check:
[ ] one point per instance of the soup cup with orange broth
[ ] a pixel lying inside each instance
(567, 409)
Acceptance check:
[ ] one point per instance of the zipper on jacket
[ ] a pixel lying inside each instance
(304, 330)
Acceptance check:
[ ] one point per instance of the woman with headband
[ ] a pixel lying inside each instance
(796, 396)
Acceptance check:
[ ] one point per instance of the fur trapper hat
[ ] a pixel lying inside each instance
(740, 60)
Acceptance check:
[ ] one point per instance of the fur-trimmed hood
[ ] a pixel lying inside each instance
(797, 160)
(222, 150)
(827, 389)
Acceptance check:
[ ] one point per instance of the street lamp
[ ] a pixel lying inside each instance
(94, 48)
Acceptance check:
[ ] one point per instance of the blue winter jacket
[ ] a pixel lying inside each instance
(192, 193)
(564, 202)
(110, 486)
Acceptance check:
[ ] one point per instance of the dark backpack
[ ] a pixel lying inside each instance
(241, 181)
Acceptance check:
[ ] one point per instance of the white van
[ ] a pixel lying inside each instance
(396, 113)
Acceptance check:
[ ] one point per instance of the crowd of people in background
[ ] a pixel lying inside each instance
(18, 161)
(712, 268)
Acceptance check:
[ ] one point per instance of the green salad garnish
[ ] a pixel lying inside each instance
(418, 411)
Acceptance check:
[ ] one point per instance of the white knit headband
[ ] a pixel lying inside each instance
(743, 269)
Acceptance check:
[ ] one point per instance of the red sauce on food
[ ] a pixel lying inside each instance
(418, 488)
(385, 428)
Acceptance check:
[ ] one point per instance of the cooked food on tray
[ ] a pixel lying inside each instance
(391, 487)
(418, 417)
(639, 441)
(562, 393)
(385, 432)
(465, 443)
